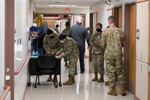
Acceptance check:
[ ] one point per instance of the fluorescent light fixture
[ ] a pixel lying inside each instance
(56, 5)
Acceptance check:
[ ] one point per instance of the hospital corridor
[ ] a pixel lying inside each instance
(75, 50)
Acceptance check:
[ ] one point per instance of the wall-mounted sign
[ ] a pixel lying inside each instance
(66, 10)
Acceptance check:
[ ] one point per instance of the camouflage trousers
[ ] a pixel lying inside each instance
(115, 71)
(72, 64)
(98, 64)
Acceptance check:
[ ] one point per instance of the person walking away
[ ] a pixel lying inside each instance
(79, 34)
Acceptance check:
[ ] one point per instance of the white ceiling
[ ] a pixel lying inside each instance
(80, 3)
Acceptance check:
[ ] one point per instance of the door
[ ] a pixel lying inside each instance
(145, 31)
(91, 31)
(132, 47)
(144, 81)
(117, 12)
(142, 31)
(93, 22)
(138, 79)
(138, 34)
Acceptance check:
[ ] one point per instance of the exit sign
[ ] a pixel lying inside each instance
(67, 10)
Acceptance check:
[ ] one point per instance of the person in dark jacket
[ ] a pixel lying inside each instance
(79, 33)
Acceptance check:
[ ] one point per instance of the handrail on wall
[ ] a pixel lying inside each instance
(24, 62)
(5, 93)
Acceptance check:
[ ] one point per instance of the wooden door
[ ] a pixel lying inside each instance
(91, 32)
(120, 17)
(117, 12)
(132, 47)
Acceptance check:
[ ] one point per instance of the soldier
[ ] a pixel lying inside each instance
(97, 54)
(67, 29)
(70, 49)
(66, 32)
(51, 44)
(112, 41)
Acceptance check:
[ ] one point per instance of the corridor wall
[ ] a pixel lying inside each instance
(23, 20)
(103, 12)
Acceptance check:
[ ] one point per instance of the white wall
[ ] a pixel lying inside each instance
(2, 39)
(23, 20)
(103, 13)
(85, 11)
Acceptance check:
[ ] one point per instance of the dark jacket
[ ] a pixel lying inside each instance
(79, 33)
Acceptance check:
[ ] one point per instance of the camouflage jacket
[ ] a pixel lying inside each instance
(70, 48)
(95, 42)
(112, 41)
(51, 44)
(66, 31)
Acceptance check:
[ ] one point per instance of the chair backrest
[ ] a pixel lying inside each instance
(46, 62)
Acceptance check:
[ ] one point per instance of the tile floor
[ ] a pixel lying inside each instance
(84, 89)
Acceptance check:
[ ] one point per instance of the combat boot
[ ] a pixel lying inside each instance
(112, 91)
(95, 78)
(70, 81)
(122, 90)
(101, 79)
(50, 78)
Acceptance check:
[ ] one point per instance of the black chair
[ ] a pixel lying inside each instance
(32, 68)
(48, 65)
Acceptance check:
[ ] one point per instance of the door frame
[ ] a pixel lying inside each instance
(92, 30)
(9, 45)
(115, 12)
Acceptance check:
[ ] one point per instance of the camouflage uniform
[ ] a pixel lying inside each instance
(112, 41)
(51, 44)
(97, 53)
(66, 31)
(71, 51)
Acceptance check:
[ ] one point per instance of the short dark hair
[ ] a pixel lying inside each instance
(62, 37)
(57, 25)
(49, 31)
(99, 24)
(67, 24)
(111, 18)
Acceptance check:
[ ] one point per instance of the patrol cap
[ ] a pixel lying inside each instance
(62, 37)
